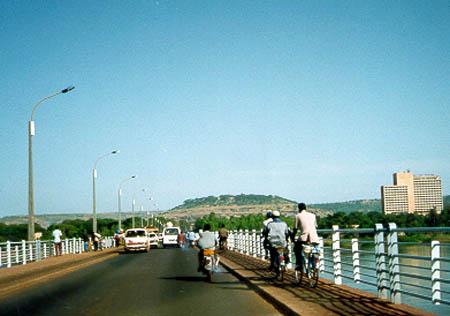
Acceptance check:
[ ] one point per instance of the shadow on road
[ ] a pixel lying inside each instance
(202, 279)
(332, 298)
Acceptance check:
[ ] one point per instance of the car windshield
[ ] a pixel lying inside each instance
(135, 233)
(171, 231)
(152, 235)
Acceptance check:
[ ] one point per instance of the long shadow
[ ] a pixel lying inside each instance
(335, 299)
(197, 279)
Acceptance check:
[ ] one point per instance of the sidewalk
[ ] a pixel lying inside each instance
(33, 273)
(325, 299)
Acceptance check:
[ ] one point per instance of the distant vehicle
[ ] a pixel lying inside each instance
(153, 239)
(152, 230)
(160, 237)
(170, 236)
(136, 239)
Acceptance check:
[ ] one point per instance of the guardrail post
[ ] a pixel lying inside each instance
(380, 262)
(247, 242)
(355, 257)
(241, 241)
(74, 248)
(1, 257)
(16, 252)
(254, 249)
(24, 252)
(337, 256)
(435, 272)
(8, 254)
(38, 250)
(262, 251)
(30, 251)
(258, 245)
(80, 245)
(321, 256)
(393, 264)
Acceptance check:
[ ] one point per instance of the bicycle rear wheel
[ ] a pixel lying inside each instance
(313, 273)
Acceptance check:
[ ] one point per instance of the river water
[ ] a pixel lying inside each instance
(411, 266)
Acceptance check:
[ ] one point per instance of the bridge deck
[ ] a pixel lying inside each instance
(325, 299)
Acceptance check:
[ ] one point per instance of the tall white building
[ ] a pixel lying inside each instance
(413, 194)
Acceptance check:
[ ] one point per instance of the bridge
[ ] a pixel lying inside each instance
(364, 272)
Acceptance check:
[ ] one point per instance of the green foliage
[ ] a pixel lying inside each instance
(363, 206)
(16, 232)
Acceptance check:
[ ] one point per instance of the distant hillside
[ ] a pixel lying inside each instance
(227, 200)
(364, 206)
(235, 205)
(46, 220)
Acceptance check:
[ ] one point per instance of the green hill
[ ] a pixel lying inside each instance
(364, 206)
(233, 200)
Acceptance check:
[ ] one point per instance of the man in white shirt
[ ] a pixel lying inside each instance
(306, 222)
(57, 241)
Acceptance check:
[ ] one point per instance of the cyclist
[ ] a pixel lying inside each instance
(277, 233)
(223, 236)
(307, 223)
(266, 243)
(207, 240)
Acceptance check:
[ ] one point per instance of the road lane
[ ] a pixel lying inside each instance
(163, 282)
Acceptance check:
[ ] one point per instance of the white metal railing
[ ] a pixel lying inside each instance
(375, 258)
(23, 252)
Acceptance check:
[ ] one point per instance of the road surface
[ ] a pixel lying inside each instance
(162, 282)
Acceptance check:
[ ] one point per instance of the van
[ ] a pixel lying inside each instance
(170, 236)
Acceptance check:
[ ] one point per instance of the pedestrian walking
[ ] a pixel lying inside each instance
(57, 234)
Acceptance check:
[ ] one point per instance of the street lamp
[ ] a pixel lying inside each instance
(94, 176)
(119, 202)
(31, 133)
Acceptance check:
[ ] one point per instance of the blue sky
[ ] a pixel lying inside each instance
(316, 101)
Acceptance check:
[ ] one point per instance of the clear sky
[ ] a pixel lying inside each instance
(315, 101)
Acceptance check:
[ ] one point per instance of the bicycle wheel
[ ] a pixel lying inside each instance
(313, 274)
(299, 272)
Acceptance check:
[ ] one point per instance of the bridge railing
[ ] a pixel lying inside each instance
(23, 252)
(374, 258)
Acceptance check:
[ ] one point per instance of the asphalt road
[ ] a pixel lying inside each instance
(162, 282)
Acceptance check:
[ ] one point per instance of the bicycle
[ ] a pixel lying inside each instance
(309, 267)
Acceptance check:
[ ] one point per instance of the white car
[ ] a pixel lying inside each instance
(170, 236)
(154, 240)
(136, 239)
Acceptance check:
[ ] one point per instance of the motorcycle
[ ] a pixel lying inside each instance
(210, 263)
(280, 263)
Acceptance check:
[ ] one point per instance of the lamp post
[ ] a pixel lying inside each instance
(119, 197)
(133, 204)
(94, 176)
(31, 133)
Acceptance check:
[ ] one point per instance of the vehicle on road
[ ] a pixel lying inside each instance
(280, 263)
(136, 239)
(210, 263)
(308, 269)
(154, 240)
(170, 236)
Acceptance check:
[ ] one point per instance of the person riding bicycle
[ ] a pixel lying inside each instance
(223, 237)
(307, 223)
(266, 243)
(277, 233)
(207, 240)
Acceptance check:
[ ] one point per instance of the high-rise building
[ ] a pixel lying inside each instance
(412, 193)
(428, 193)
(394, 199)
